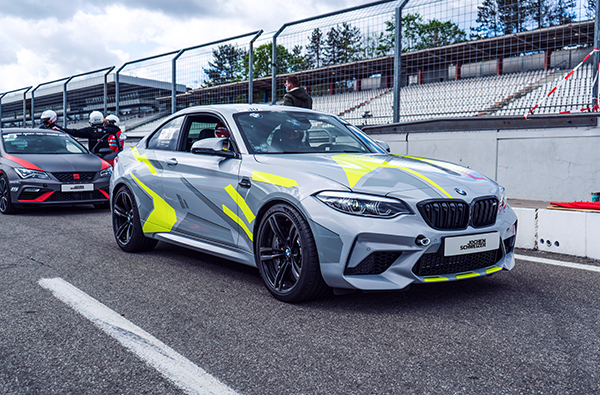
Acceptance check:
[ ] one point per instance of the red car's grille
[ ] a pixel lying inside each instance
(75, 177)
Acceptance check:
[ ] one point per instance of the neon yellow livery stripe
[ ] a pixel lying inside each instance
(238, 221)
(493, 269)
(356, 167)
(239, 200)
(162, 217)
(435, 279)
(273, 179)
(466, 275)
(144, 159)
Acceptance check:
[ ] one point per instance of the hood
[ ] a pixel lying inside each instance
(59, 163)
(385, 174)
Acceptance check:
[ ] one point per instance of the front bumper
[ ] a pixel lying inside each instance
(379, 254)
(49, 192)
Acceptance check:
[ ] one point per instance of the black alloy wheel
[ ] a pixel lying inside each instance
(287, 256)
(6, 206)
(126, 223)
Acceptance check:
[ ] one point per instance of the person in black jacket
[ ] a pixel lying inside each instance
(296, 95)
(97, 133)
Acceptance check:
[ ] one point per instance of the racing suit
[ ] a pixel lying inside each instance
(97, 135)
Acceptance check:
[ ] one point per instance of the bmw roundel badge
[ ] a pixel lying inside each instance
(460, 191)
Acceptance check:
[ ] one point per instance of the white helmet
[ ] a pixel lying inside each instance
(113, 119)
(96, 118)
(49, 117)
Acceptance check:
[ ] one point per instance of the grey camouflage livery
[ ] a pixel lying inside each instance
(337, 211)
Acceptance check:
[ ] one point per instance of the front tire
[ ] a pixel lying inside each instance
(127, 227)
(286, 256)
(6, 206)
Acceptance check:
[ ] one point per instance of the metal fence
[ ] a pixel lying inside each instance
(459, 59)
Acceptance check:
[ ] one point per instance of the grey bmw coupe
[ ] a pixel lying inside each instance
(310, 200)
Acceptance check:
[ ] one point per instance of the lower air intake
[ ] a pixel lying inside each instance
(375, 263)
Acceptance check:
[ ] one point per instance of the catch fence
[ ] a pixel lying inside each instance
(458, 59)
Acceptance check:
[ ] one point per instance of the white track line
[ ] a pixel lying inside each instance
(179, 370)
(558, 263)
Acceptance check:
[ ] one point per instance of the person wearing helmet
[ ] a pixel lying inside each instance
(97, 133)
(49, 119)
(114, 140)
(221, 130)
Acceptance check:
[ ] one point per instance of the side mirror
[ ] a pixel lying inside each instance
(214, 146)
(383, 145)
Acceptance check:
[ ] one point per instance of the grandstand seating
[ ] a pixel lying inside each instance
(511, 94)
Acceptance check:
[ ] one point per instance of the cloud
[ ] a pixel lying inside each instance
(42, 41)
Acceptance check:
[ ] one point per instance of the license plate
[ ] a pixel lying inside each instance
(461, 245)
(76, 187)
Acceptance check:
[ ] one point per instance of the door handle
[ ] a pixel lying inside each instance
(245, 182)
(172, 162)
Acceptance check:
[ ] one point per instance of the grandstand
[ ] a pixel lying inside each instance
(494, 75)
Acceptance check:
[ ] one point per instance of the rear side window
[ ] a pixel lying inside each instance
(166, 137)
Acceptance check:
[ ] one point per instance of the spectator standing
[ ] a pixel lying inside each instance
(296, 95)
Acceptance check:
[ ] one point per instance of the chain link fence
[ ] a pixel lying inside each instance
(459, 59)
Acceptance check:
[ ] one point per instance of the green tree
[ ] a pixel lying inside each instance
(539, 12)
(262, 60)
(314, 49)
(562, 13)
(590, 9)
(297, 61)
(342, 44)
(498, 17)
(421, 35)
(226, 66)
(488, 20)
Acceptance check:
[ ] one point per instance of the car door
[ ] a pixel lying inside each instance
(156, 215)
(202, 187)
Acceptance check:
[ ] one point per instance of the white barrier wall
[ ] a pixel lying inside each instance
(559, 165)
(559, 231)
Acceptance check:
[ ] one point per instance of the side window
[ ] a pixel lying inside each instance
(199, 127)
(166, 137)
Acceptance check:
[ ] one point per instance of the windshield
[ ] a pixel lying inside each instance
(40, 143)
(287, 131)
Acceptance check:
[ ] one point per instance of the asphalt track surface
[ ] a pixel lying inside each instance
(534, 330)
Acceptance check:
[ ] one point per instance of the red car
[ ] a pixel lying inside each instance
(46, 167)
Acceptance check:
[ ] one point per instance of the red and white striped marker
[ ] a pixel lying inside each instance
(562, 82)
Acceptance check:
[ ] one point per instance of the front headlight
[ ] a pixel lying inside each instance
(364, 205)
(502, 204)
(28, 173)
(106, 172)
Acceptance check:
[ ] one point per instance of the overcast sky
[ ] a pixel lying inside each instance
(43, 40)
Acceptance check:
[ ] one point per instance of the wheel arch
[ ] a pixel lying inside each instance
(272, 202)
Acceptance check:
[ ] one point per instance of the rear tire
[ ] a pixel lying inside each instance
(127, 227)
(286, 256)
(6, 206)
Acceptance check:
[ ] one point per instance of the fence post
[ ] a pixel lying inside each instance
(106, 89)
(398, 62)
(251, 68)
(174, 81)
(25, 107)
(33, 106)
(65, 101)
(596, 58)
(4, 94)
